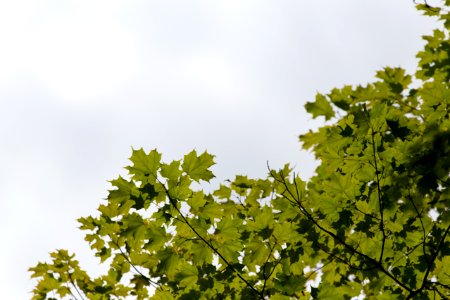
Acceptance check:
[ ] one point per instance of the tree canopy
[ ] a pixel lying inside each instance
(374, 219)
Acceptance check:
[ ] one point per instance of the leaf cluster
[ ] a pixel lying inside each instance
(374, 219)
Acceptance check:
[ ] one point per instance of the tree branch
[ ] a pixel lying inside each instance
(173, 203)
(430, 265)
(264, 269)
(75, 287)
(366, 214)
(423, 227)
(433, 258)
(373, 261)
(380, 200)
(133, 266)
(347, 262)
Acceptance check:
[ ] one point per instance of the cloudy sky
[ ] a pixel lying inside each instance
(81, 82)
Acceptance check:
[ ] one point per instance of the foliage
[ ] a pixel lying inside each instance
(363, 220)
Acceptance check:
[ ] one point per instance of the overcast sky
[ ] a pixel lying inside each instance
(81, 82)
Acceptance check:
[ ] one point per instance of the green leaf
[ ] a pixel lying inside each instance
(169, 265)
(124, 189)
(211, 211)
(197, 167)
(223, 192)
(135, 230)
(180, 190)
(329, 292)
(157, 237)
(227, 228)
(321, 107)
(201, 254)
(145, 165)
(188, 276)
(171, 171)
(196, 201)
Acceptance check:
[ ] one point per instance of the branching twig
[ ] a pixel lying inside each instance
(440, 294)
(316, 269)
(148, 279)
(439, 284)
(428, 6)
(334, 256)
(380, 200)
(406, 254)
(229, 265)
(366, 214)
(433, 258)
(430, 265)
(373, 261)
(264, 269)
(423, 227)
(75, 287)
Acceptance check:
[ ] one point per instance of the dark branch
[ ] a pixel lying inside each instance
(430, 265)
(433, 258)
(75, 287)
(380, 200)
(229, 265)
(428, 6)
(304, 211)
(366, 214)
(148, 279)
(334, 256)
(264, 269)
(423, 227)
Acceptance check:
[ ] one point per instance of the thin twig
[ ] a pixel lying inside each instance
(133, 266)
(430, 265)
(75, 286)
(173, 203)
(375, 262)
(421, 223)
(264, 269)
(380, 200)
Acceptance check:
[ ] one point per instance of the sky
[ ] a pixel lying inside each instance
(83, 82)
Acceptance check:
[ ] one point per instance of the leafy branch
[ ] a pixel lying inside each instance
(125, 256)
(344, 261)
(383, 142)
(419, 216)
(305, 212)
(429, 7)
(380, 200)
(265, 275)
(173, 202)
(429, 266)
(75, 287)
